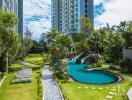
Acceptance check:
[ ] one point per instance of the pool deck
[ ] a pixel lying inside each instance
(51, 88)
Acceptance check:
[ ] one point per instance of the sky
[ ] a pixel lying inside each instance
(37, 14)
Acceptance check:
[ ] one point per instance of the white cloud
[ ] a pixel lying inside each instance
(39, 27)
(37, 8)
(116, 11)
(98, 1)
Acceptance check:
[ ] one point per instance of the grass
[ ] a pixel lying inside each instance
(72, 92)
(24, 91)
(27, 91)
(34, 57)
(16, 66)
(35, 61)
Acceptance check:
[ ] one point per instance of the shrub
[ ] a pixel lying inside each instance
(60, 70)
(40, 87)
(1, 75)
(114, 67)
(130, 47)
(63, 91)
(100, 63)
(93, 65)
(125, 64)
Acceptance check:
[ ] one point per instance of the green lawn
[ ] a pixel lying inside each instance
(34, 57)
(35, 61)
(78, 91)
(22, 91)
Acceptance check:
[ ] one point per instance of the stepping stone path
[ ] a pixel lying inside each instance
(51, 89)
(79, 87)
(100, 88)
(113, 90)
(86, 87)
(93, 88)
(23, 75)
(107, 87)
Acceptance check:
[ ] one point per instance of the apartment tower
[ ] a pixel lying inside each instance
(16, 7)
(66, 14)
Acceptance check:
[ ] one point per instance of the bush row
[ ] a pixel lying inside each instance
(40, 86)
(63, 91)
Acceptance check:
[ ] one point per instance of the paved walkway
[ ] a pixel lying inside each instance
(51, 90)
(129, 93)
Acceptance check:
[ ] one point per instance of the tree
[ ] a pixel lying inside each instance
(27, 44)
(126, 29)
(8, 37)
(43, 41)
(86, 26)
(81, 39)
(114, 43)
(58, 49)
(125, 64)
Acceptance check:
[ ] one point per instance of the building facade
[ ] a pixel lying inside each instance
(16, 7)
(20, 16)
(66, 14)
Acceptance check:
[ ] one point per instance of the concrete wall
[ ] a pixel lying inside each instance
(127, 53)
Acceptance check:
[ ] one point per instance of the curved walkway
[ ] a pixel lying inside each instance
(51, 89)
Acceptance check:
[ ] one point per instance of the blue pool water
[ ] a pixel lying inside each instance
(89, 77)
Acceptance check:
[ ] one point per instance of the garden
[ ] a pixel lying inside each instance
(100, 49)
(90, 50)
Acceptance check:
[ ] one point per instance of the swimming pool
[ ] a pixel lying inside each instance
(77, 72)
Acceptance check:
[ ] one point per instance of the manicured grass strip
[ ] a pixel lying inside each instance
(22, 91)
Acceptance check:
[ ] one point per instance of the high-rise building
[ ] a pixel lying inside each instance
(66, 14)
(16, 7)
(20, 16)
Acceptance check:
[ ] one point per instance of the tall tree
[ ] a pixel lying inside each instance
(10, 39)
(81, 39)
(27, 43)
(58, 49)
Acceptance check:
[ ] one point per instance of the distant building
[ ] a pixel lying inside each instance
(16, 7)
(20, 16)
(66, 14)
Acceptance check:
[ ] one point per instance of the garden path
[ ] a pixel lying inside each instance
(51, 89)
